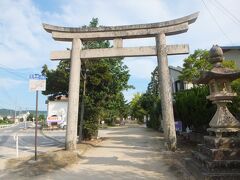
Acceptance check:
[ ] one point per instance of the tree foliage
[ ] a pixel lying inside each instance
(153, 85)
(137, 111)
(194, 64)
(106, 79)
(30, 117)
(148, 104)
(234, 107)
(5, 120)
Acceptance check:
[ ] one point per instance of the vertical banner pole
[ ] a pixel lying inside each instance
(36, 125)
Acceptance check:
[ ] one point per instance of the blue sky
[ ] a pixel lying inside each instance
(25, 46)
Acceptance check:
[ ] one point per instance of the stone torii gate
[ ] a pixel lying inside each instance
(118, 34)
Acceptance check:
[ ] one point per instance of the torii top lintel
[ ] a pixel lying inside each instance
(171, 27)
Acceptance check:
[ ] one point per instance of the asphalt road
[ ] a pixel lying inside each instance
(26, 141)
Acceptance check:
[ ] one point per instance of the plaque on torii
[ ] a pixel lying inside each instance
(118, 34)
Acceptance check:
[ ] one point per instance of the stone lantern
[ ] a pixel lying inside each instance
(219, 156)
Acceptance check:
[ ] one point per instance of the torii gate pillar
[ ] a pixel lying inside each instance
(165, 92)
(118, 34)
(73, 94)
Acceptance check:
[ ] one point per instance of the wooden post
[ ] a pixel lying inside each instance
(165, 92)
(73, 103)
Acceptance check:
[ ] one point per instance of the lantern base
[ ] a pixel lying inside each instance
(218, 158)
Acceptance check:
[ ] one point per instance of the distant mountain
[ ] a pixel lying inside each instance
(11, 112)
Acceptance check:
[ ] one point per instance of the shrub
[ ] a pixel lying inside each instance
(90, 130)
(234, 107)
(155, 115)
(193, 109)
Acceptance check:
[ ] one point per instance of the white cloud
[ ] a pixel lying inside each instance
(23, 42)
(77, 13)
(129, 94)
(9, 83)
(141, 67)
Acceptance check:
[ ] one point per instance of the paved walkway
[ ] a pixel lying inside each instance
(127, 153)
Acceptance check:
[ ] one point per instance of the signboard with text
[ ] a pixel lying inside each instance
(37, 82)
(54, 118)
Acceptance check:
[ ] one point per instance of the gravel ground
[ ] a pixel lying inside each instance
(125, 153)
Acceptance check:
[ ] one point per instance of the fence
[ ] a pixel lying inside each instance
(6, 125)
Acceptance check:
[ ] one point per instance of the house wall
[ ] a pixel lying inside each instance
(233, 55)
(58, 108)
(174, 74)
(176, 83)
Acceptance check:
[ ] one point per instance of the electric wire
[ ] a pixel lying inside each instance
(233, 17)
(223, 11)
(13, 72)
(215, 20)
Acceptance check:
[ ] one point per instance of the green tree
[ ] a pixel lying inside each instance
(41, 117)
(197, 62)
(234, 107)
(152, 105)
(194, 64)
(30, 117)
(151, 102)
(5, 120)
(137, 111)
(57, 80)
(153, 86)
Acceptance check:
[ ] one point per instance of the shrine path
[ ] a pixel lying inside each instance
(127, 153)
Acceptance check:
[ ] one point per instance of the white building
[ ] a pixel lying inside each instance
(177, 84)
(57, 111)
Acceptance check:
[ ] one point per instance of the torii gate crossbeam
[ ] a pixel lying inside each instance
(118, 34)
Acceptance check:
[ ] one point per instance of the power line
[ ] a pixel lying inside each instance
(215, 20)
(13, 72)
(234, 18)
(17, 74)
(222, 10)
